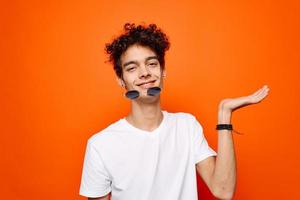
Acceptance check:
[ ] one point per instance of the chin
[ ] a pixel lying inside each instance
(145, 96)
(148, 99)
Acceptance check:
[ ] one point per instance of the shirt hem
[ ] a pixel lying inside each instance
(94, 194)
(203, 157)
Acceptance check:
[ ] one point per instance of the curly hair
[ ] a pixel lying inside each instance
(149, 36)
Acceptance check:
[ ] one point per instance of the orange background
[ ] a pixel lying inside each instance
(56, 90)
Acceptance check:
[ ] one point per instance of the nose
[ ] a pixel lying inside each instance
(144, 71)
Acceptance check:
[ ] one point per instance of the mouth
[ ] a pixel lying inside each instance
(146, 84)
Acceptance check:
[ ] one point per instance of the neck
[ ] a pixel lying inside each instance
(145, 116)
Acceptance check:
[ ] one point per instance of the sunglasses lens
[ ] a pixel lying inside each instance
(132, 94)
(153, 91)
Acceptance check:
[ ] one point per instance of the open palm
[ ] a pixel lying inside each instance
(232, 104)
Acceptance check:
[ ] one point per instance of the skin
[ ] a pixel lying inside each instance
(140, 66)
(145, 112)
(219, 173)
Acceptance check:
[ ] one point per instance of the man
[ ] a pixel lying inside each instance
(152, 154)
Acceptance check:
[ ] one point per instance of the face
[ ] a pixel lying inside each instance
(141, 70)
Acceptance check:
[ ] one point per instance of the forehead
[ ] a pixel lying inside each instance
(136, 53)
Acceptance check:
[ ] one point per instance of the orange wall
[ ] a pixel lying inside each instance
(56, 90)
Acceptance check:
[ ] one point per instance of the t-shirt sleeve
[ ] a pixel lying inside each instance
(201, 148)
(95, 181)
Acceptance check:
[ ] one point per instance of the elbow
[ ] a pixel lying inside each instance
(223, 196)
(223, 193)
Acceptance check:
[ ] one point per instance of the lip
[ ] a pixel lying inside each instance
(146, 83)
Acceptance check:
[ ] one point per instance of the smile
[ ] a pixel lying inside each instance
(146, 84)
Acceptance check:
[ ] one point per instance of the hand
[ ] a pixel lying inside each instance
(230, 105)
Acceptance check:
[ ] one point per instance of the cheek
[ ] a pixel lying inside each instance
(129, 78)
(159, 74)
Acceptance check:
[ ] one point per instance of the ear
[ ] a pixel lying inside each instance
(164, 73)
(121, 82)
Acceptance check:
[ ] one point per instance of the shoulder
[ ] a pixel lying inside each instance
(106, 134)
(182, 116)
(185, 119)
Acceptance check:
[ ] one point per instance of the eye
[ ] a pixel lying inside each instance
(153, 64)
(130, 69)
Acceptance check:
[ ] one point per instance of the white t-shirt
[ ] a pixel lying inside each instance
(134, 164)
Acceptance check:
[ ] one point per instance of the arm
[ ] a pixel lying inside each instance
(219, 173)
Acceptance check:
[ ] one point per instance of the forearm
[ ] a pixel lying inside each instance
(224, 176)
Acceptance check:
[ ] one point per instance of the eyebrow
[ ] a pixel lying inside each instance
(135, 62)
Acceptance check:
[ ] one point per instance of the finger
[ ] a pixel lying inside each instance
(259, 95)
(265, 93)
(262, 95)
(258, 91)
(261, 90)
(265, 90)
